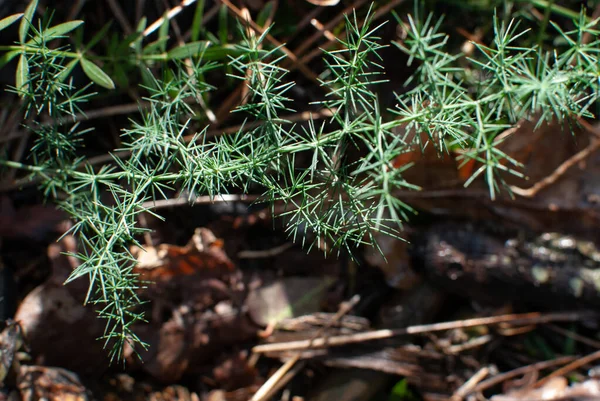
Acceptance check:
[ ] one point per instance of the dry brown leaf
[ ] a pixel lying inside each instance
(288, 297)
(37, 383)
(204, 252)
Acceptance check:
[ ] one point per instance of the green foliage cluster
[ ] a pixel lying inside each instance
(327, 192)
(509, 83)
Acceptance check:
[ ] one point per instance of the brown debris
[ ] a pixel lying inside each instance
(60, 330)
(194, 310)
(203, 253)
(40, 383)
(29, 222)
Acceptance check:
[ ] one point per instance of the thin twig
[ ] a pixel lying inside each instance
(317, 51)
(473, 343)
(594, 356)
(492, 381)
(301, 66)
(468, 386)
(267, 253)
(293, 118)
(321, 28)
(559, 172)
(163, 203)
(270, 384)
(516, 319)
(565, 166)
(283, 378)
(575, 336)
(169, 15)
(330, 25)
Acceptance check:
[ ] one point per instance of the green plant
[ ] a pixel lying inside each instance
(509, 83)
(329, 194)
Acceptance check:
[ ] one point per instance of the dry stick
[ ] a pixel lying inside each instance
(559, 172)
(225, 108)
(223, 111)
(270, 384)
(163, 203)
(569, 368)
(575, 336)
(589, 127)
(285, 378)
(515, 331)
(102, 112)
(170, 14)
(380, 12)
(249, 74)
(267, 253)
(293, 118)
(468, 386)
(516, 319)
(383, 10)
(174, 25)
(473, 343)
(321, 28)
(564, 167)
(492, 381)
(303, 68)
(310, 41)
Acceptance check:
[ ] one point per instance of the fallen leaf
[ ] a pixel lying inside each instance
(285, 298)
